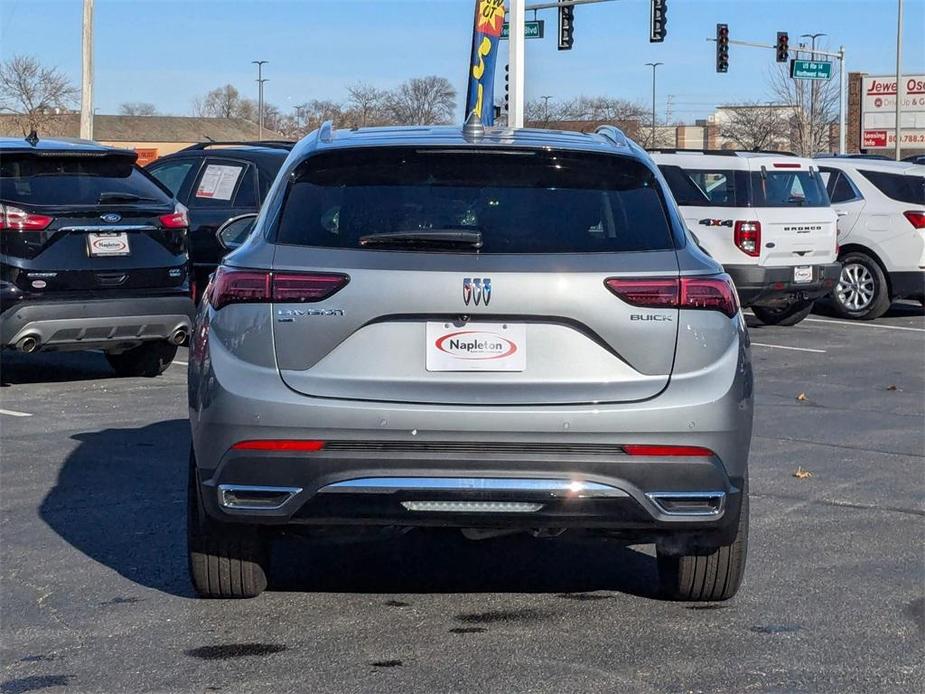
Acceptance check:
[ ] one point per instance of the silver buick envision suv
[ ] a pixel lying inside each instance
(482, 329)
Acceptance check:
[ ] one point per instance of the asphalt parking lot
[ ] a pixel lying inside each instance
(95, 595)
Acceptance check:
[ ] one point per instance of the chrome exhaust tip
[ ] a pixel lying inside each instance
(28, 344)
(254, 498)
(688, 503)
(179, 336)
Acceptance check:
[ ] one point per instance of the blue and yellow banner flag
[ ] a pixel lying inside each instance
(486, 35)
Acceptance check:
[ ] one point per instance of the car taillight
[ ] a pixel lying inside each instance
(302, 445)
(686, 451)
(916, 218)
(15, 219)
(714, 293)
(747, 237)
(259, 286)
(177, 219)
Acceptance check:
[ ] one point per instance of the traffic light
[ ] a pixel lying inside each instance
(783, 46)
(658, 20)
(507, 88)
(566, 27)
(722, 48)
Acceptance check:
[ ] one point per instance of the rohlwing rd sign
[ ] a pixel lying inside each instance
(810, 69)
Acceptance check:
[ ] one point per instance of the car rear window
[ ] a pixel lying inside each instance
(707, 187)
(521, 201)
(50, 181)
(788, 189)
(898, 187)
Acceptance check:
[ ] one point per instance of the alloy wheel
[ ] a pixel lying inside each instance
(855, 290)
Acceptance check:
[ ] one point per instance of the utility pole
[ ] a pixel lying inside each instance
(260, 81)
(517, 17)
(899, 78)
(546, 110)
(86, 75)
(812, 95)
(653, 66)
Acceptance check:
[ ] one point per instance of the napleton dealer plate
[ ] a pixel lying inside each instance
(476, 346)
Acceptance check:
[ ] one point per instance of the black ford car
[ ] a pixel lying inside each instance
(218, 181)
(93, 255)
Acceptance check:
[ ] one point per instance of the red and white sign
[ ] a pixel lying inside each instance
(874, 138)
(476, 347)
(878, 111)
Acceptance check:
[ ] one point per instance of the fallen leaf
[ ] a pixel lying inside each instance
(802, 474)
(801, 396)
(893, 387)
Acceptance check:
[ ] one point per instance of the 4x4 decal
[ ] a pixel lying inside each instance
(715, 222)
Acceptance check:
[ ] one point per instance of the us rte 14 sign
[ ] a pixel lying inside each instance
(810, 69)
(534, 29)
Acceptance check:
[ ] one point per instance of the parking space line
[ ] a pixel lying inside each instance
(181, 363)
(14, 413)
(864, 324)
(794, 349)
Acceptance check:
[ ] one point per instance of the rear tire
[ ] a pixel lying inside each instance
(147, 360)
(225, 560)
(788, 315)
(862, 292)
(706, 577)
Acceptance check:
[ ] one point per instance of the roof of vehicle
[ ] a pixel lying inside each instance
(607, 139)
(267, 154)
(59, 145)
(726, 158)
(885, 166)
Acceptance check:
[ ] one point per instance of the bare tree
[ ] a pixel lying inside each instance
(33, 92)
(815, 109)
(756, 126)
(137, 108)
(222, 102)
(427, 100)
(366, 105)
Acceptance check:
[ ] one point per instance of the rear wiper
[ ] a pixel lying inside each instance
(122, 197)
(425, 237)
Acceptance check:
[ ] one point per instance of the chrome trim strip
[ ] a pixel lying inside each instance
(227, 501)
(553, 487)
(110, 227)
(721, 505)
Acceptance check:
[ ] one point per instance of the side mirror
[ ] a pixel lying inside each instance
(235, 231)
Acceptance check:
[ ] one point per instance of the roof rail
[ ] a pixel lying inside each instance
(717, 152)
(614, 134)
(275, 144)
(326, 131)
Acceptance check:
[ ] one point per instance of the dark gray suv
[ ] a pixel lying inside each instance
(490, 330)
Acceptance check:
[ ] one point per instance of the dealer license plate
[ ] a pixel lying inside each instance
(476, 347)
(802, 274)
(115, 243)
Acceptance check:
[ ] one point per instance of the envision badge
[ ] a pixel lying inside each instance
(111, 217)
(477, 290)
(288, 315)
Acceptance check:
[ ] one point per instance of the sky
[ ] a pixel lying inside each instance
(168, 52)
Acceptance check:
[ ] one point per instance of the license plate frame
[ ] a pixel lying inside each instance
(108, 244)
(802, 274)
(480, 347)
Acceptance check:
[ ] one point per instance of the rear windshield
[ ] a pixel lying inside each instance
(899, 187)
(515, 201)
(707, 187)
(51, 181)
(788, 189)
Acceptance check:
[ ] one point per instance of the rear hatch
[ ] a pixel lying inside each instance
(798, 225)
(87, 222)
(474, 277)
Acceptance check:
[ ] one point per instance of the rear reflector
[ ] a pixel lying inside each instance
(260, 286)
(472, 506)
(747, 238)
(916, 218)
(660, 451)
(278, 445)
(715, 293)
(15, 219)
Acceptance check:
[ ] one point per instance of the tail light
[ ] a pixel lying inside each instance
(15, 219)
(278, 445)
(747, 238)
(715, 293)
(260, 286)
(177, 219)
(684, 451)
(916, 218)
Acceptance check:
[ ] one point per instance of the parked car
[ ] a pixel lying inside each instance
(217, 181)
(492, 330)
(915, 159)
(93, 255)
(766, 217)
(881, 233)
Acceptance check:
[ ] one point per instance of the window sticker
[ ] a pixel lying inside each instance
(218, 182)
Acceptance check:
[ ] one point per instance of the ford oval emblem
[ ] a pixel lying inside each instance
(111, 217)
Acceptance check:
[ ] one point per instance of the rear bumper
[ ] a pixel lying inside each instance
(908, 285)
(771, 286)
(96, 323)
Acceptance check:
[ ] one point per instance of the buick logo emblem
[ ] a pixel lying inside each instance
(111, 217)
(476, 290)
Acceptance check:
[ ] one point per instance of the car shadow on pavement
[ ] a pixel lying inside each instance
(120, 498)
(898, 309)
(52, 367)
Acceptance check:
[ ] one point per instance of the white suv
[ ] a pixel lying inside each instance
(766, 217)
(881, 232)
